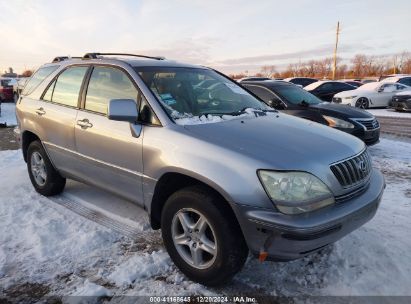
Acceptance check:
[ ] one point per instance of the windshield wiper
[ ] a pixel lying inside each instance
(239, 112)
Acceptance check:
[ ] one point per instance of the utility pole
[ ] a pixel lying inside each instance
(335, 50)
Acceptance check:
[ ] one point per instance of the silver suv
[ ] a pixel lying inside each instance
(218, 171)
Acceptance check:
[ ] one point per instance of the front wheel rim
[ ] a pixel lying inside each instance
(38, 168)
(362, 103)
(194, 238)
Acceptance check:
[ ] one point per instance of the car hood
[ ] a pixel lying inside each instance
(281, 141)
(327, 108)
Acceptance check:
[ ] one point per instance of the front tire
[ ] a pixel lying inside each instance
(362, 103)
(45, 179)
(202, 236)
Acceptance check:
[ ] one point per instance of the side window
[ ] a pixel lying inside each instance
(38, 78)
(67, 87)
(105, 84)
(325, 87)
(400, 87)
(406, 81)
(263, 93)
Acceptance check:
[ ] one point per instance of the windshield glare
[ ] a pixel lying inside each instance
(296, 95)
(188, 92)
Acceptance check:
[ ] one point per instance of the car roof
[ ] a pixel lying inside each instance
(268, 83)
(289, 78)
(395, 78)
(132, 61)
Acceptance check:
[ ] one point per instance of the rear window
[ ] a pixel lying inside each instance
(38, 78)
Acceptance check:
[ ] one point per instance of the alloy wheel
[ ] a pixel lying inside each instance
(38, 168)
(194, 238)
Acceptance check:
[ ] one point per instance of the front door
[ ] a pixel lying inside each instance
(110, 156)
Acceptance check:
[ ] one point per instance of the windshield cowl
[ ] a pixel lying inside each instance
(248, 113)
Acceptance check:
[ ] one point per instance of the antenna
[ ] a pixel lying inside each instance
(335, 50)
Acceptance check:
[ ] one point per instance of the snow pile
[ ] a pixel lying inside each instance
(203, 119)
(44, 243)
(141, 267)
(90, 289)
(8, 114)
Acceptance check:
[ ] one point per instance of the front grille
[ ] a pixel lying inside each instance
(401, 97)
(352, 171)
(369, 124)
(337, 99)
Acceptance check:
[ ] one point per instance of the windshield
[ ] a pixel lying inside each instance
(370, 86)
(195, 92)
(313, 85)
(295, 95)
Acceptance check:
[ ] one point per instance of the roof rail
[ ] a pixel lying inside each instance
(95, 55)
(62, 58)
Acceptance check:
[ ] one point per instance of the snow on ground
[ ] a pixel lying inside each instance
(389, 113)
(46, 247)
(8, 114)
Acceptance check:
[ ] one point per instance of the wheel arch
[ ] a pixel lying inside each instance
(170, 183)
(26, 139)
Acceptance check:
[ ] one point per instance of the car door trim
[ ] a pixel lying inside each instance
(139, 174)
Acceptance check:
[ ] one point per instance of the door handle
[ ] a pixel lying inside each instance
(40, 111)
(84, 124)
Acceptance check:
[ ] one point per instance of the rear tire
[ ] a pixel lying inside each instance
(362, 103)
(225, 250)
(45, 179)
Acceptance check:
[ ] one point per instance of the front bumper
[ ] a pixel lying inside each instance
(400, 105)
(288, 237)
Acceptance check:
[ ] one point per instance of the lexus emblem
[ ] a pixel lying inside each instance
(361, 166)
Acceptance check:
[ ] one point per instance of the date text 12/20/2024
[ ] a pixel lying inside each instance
(203, 299)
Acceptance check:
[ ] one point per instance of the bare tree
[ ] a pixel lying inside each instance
(268, 70)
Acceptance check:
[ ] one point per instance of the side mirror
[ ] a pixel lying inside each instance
(122, 110)
(276, 103)
(380, 90)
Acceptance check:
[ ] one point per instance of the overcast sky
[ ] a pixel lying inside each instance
(231, 36)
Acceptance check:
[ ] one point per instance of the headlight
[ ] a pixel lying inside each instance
(295, 192)
(350, 97)
(338, 123)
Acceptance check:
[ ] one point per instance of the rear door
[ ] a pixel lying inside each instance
(56, 114)
(109, 156)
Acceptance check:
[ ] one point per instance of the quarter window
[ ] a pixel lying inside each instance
(38, 78)
(67, 87)
(105, 84)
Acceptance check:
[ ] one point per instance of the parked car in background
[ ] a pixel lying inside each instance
(368, 80)
(401, 101)
(403, 79)
(21, 82)
(253, 79)
(219, 171)
(6, 90)
(382, 77)
(370, 95)
(326, 89)
(302, 81)
(293, 100)
(354, 83)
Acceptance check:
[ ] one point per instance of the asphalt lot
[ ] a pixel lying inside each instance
(398, 126)
(7, 140)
